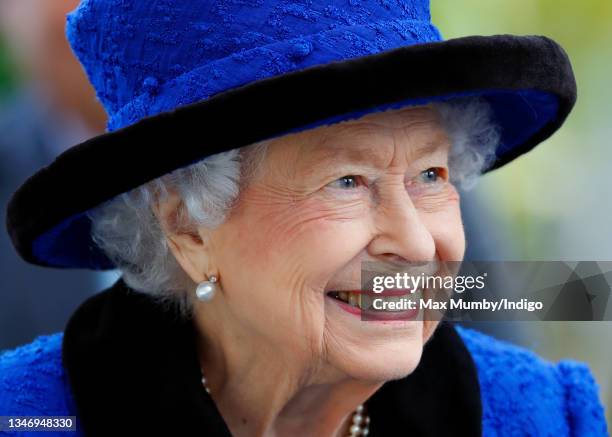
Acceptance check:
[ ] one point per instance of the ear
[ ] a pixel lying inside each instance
(190, 248)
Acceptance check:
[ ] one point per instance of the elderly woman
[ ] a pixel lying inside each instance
(257, 155)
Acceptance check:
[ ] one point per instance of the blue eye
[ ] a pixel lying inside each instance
(430, 176)
(348, 181)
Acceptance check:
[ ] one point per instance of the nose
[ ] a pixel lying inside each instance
(401, 234)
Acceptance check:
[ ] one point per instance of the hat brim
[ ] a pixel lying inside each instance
(527, 79)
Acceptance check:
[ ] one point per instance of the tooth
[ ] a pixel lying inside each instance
(353, 299)
(343, 296)
(359, 301)
(366, 301)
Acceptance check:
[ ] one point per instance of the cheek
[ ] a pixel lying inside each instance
(446, 228)
(309, 236)
(285, 255)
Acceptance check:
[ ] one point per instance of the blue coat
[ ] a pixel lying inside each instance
(516, 392)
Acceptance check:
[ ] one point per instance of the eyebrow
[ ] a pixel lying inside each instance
(362, 154)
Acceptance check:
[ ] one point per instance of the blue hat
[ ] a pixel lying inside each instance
(172, 74)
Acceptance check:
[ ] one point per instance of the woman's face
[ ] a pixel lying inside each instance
(372, 189)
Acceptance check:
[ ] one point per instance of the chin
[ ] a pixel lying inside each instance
(385, 361)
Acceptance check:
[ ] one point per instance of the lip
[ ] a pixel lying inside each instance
(377, 316)
(388, 292)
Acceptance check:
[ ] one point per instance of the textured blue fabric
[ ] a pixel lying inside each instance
(522, 394)
(149, 56)
(33, 383)
(146, 57)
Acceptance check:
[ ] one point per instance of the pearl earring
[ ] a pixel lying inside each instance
(207, 289)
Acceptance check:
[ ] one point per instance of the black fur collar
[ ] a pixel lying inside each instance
(133, 371)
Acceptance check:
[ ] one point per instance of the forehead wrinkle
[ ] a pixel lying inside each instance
(413, 125)
(431, 145)
(348, 142)
(356, 154)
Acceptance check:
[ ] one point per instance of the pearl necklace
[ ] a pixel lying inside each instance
(360, 425)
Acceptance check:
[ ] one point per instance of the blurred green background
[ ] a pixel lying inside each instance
(8, 76)
(556, 201)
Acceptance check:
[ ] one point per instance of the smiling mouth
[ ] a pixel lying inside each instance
(352, 298)
(364, 299)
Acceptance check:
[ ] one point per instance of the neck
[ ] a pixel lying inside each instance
(262, 391)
